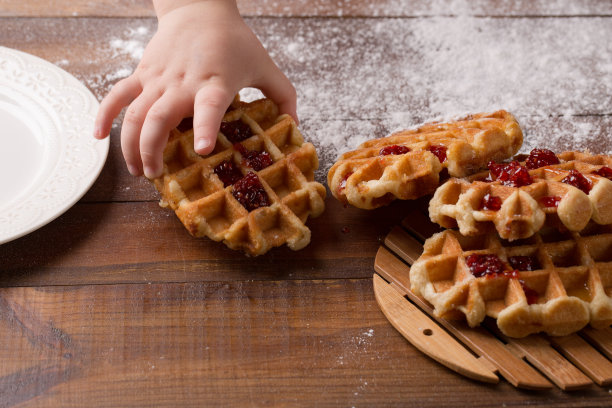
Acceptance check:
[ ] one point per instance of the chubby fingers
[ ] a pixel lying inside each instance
(209, 106)
(120, 96)
(131, 127)
(276, 86)
(164, 115)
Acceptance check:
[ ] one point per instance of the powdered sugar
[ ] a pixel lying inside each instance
(361, 78)
(124, 50)
(133, 45)
(411, 8)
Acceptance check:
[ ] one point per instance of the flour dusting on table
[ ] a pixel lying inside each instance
(364, 78)
(361, 78)
(125, 51)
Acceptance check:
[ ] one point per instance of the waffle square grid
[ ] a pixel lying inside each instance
(206, 206)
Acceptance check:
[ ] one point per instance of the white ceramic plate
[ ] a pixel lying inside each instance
(48, 156)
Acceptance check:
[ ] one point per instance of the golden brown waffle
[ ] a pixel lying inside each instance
(553, 283)
(521, 211)
(382, 170)
(276, 200)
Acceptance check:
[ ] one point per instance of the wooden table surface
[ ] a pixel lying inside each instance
(114, 304)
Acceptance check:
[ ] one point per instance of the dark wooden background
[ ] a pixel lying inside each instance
(114, 304)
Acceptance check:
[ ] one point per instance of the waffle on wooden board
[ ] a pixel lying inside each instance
(408, 164)
(255, 191)
(568, 191)
(552, 283)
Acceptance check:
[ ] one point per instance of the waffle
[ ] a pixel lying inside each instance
(522, 210)
(382, 170)
(557, 284)
(256, 189)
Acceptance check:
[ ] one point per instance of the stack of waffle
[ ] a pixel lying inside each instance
(534, 241)
(534, 246)
(255, 191)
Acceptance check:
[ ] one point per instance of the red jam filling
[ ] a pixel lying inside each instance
(439, 151)
(227, 172)
(605, 171)
(490, 266)
(540, 158)
(490, 202)
(509, 174)
(250, 193)
(485, 265)
(524, 263)
(236, 131)
(550, 201)
(576, 179)
(252, 158)
(394, 149)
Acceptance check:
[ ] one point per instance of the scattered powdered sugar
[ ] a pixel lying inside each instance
(124, 50)
(132, 43)
(357, 344)
(362, 78)
(411, 8)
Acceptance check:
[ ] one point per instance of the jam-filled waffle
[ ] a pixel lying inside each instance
(516, 199)
(553, 283)
(256, 189)
(407, 164)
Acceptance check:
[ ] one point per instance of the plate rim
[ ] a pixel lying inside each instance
(76, 108)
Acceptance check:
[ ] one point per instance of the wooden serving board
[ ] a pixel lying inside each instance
(482, 353)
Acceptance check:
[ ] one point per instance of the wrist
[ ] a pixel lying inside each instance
(163, 7)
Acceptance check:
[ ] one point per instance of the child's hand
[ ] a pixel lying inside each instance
(201, 56)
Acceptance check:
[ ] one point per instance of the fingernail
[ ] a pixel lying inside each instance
(150, 172)
(97, 132)
(202, 144)
(133, 170)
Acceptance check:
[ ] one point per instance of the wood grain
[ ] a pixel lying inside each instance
(91, 246)
(281, 343)
(114, 304)
(427, 336)
(302, 8)
(325, 67)
(70, 44)
(479, 340)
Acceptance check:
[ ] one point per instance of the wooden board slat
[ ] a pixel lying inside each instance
(586, 358)
(427, 336)
(546, 359)
(403, 245)
(537, 349)
(513, 369)
(601, 339)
